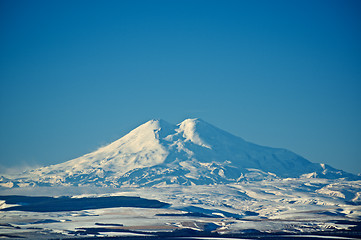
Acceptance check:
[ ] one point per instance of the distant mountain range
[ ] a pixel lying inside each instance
(193, 152)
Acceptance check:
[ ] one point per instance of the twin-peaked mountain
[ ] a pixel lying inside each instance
(192, 152)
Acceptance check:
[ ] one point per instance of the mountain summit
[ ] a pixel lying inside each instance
(192, 152)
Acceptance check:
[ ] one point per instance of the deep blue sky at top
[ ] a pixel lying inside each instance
(75, 75)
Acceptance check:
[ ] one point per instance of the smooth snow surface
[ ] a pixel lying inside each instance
(193, 152)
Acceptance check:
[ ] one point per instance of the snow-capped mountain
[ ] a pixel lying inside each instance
(192, 152)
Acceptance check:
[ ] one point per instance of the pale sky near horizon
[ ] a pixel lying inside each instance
(75, 75)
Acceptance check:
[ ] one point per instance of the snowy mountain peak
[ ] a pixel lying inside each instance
(192, 152)
(156, 123)
(190, 130)
(151, 130)
(192, 121)
(195, 123)
(153, 125)
(207, 135)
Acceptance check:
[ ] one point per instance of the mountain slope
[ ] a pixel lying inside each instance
(192, 152)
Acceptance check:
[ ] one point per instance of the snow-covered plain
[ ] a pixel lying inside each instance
(294, 206)
(214, 182)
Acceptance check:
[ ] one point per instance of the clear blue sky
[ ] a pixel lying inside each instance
(75, 75)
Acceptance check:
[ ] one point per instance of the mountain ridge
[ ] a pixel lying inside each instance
(191, 152)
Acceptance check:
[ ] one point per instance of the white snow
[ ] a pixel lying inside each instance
(192, 152)
(189, 129)
(270, 205)
(197, 168)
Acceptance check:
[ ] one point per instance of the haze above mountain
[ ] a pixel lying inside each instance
(159, 153)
